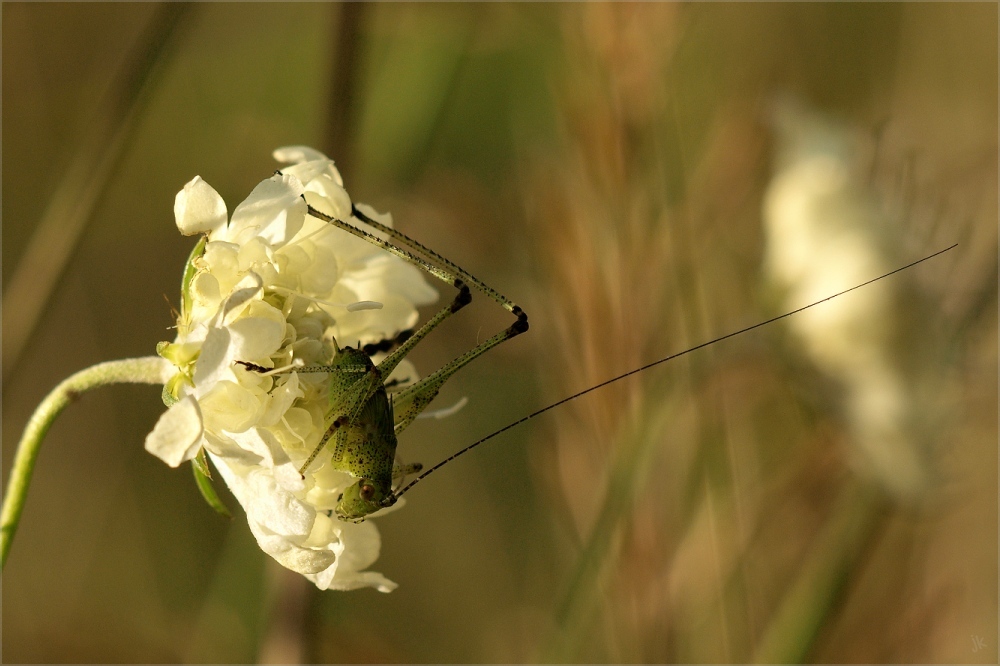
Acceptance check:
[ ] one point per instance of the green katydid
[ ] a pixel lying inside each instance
(364, 422)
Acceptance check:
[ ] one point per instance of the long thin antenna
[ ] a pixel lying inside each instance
(447, 460)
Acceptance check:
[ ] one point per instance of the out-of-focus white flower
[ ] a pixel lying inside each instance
(826, 231)
(275, 287)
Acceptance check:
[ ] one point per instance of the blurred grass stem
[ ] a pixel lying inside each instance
(146, 370)
(77, 193)
(345, 82)
(814, 598)
(575, 613)
(288, 598)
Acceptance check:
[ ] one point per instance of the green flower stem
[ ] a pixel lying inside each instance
(147, 370)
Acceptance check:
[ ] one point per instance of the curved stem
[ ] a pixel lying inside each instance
(146, 370)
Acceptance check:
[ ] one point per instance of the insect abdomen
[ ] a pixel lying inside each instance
(366, 438)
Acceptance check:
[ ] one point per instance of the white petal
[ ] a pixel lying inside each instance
(221, 260)
(177, 435)
(297, 154)
(199, 208)
(283, 549)
(299, 423)
(257, 334)
(309, 170)
(306, 561)
(229, 407)
(205, 289)
(327, 194)
(224, 450)
(327, 487)
(247, 289)
(274, 211)
(361, 544)
(254, 440)
(274, 514)
(446, 412)
(358, 548)
(276, 509)
(215, 360)
(281, 399)
(329, 580)
(385, 219)
(300, 154)
(264, 444)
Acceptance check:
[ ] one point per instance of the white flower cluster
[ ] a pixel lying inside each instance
(826, 230)
(274, 287)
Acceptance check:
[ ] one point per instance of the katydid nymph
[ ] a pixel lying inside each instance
(363, 419)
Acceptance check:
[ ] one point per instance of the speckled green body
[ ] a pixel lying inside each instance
(364, 439)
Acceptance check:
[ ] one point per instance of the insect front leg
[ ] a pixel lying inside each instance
(354, 381)
(304, 369)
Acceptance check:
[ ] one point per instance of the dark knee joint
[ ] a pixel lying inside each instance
(463, 298)
(521, 325)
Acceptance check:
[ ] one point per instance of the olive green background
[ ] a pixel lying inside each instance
(485, 129)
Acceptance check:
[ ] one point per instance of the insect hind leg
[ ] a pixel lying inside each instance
(388, 344)
(410, 402)
(419, 395)
(462, 298)
(454, 268)
(451, 273)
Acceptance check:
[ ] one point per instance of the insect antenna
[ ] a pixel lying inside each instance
(395, 496)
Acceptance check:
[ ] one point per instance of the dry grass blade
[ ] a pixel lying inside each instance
(69, 210)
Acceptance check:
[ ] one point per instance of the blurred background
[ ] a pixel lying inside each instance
(641, 178)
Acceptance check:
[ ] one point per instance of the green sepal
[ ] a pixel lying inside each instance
(203, 479)
(183, 356)
(189, 272)
(171, 390)
(167, 396)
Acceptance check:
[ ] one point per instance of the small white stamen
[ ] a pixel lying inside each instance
(445, 413)
(364, 305)
(297, 363)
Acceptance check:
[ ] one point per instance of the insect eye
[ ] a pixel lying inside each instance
(367, 491)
